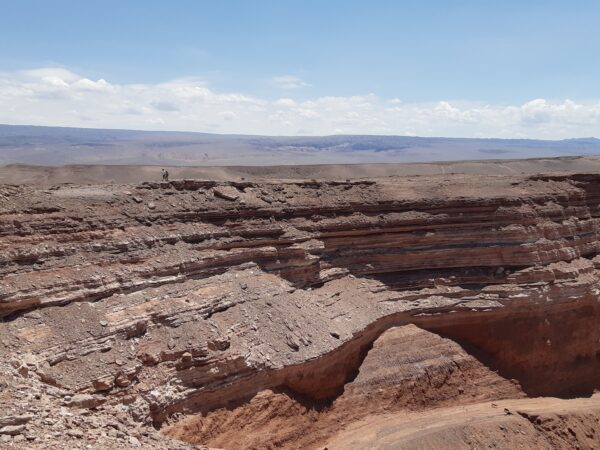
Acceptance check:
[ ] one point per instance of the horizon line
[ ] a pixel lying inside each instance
(579, 138)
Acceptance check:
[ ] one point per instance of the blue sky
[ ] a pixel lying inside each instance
(494, 54)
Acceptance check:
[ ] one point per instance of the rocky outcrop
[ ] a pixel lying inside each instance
(407, 368)
(186, 297)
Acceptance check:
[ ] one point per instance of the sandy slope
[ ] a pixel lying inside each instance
(519, 423)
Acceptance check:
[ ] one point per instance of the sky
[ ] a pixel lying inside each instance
(485, 68)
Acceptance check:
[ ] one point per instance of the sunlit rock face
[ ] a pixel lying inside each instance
(291, 307)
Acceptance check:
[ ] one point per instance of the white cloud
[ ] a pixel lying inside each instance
(228, 115)
(59, 97)
(88, 85)
(64, 75)
(286, 102)
(289, 82)
(164, 105)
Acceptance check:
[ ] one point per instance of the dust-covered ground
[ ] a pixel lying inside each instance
(99, 174)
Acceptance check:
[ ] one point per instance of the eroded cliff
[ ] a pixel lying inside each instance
(275, 314)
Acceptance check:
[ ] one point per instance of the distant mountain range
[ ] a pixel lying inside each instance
(60, 146)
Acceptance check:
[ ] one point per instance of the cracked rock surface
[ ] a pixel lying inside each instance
(247, 314)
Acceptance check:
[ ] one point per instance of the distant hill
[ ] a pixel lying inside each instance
(54, 146)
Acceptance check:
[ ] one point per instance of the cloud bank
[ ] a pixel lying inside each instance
(289, 82)
(59, 97)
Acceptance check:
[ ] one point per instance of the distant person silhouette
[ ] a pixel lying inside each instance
(165, 175)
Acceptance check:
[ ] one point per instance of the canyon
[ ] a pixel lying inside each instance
(417, 311)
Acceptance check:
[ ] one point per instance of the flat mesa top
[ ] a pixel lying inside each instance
(103, 174)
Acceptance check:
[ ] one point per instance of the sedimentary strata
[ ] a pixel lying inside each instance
(291, 308)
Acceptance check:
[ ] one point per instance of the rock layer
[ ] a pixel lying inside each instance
(190, 296)
(407, 368)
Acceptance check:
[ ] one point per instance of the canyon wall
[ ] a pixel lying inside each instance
(286, 307)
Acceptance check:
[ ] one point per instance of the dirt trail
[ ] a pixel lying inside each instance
(494, 419)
